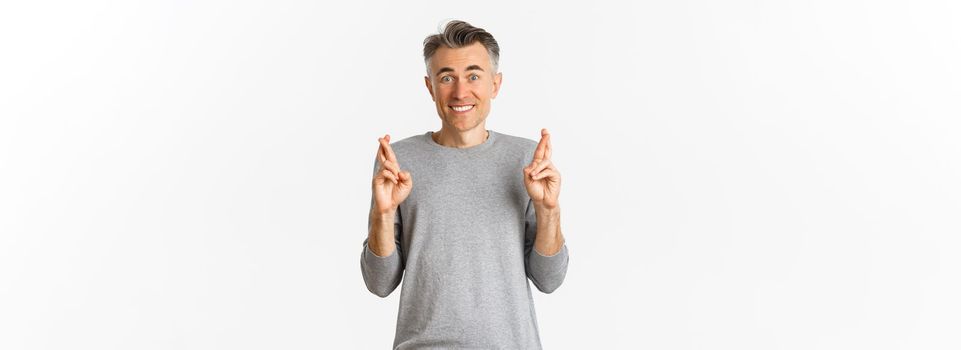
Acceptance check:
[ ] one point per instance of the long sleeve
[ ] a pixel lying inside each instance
(382, 274)
(465, 253)
(547, 272)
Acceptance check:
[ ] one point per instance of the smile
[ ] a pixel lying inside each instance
(462, 108)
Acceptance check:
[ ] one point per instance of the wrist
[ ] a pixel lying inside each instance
(385, 215)
(545, 213)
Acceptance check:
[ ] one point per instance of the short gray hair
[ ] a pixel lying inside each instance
(457, 34)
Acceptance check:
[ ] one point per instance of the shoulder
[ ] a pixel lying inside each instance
(409, 144)
(516, 142)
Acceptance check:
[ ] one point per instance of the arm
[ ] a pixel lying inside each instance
(545, 270)
(380, 262)
(549, 239)
(545, 248)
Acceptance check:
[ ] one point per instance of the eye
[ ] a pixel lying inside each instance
(474, 77)
(446, 79)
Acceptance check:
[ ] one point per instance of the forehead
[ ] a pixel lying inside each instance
(460, 58)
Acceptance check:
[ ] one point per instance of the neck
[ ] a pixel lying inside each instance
(448, 138)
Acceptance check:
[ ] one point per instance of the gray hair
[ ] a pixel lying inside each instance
(457, 34)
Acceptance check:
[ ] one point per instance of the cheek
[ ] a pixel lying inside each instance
(489, 91)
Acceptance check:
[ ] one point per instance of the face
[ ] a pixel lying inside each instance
(462, 83)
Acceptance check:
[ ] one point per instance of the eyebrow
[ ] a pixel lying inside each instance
(449, 69)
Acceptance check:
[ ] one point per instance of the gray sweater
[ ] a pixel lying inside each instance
(465, 238)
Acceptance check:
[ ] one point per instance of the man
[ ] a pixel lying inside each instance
(466, 215)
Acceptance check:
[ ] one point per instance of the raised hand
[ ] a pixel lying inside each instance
(390, 185)
(541, 178)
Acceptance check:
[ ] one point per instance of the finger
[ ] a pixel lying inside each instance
(544, 164)
(387, 174)
(550, 174)
(528, 173)
(539, 151)
(388, 151)
(381, 155)
(547, 150)
(530, 168)
(404, 177)
(392, 167)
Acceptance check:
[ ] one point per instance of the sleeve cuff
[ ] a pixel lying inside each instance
(548, 272)
(371, 254)
(562, 250)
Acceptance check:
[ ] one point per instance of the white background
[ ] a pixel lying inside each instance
(737, 175)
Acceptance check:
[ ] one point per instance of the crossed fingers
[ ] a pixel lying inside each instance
(389, 166)
(543, 150)
(542, 158)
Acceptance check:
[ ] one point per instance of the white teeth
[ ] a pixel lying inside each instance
(461, 108)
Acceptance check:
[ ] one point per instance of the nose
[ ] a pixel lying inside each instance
(461, 91)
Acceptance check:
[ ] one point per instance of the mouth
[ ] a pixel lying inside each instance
(461, 109)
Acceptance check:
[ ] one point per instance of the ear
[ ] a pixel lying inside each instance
(430, 87)
(497, 84)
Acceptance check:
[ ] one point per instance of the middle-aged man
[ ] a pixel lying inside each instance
(465, 214)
